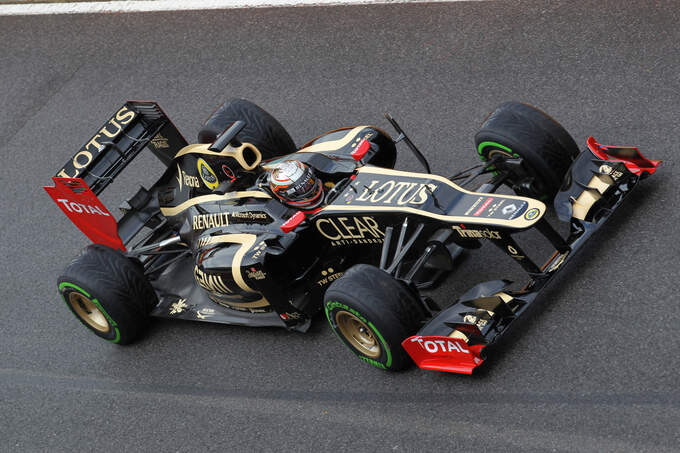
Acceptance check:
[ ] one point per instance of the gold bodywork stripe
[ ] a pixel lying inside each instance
(228, 151)
(334, 145)
(246, 241)
(169, 212)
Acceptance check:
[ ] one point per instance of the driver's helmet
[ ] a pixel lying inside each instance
(295, 184)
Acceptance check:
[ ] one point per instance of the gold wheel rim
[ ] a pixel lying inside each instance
(502, 153)
(88, 311)
(358, 334)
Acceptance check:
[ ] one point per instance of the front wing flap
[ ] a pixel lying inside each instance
(443, 353)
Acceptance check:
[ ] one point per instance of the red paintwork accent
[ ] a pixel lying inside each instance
(636, 163)
(483, 207)
(443, 354)
(361, 150)
(295, 220)
(82, 206)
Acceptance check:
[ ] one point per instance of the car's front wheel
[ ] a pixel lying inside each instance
(372, 313)
(517, 130)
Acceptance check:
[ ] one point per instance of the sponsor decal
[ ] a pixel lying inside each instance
(608, 170)
(474, 205)
(255, 274)
(211, 282)
(250, 217)
(514, 253)
(509, 209)
(328, 276)
(228, 172)
(399, 192)
(259, 249)
(477, 234)
(207, 174)
(286, 316)
(518, 211)
(375, 363)
(183, 179)
(350, 230)
(435, 346)
(472, 319)
(178, 307)
(494, 207)
(483, 207)
(531, 214)
(81, 208)
(220, 219)
(360, 139)
(160, 142)
(204, 313)
(92, 148)
(205, 221)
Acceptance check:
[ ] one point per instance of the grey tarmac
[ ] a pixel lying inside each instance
(595, 369)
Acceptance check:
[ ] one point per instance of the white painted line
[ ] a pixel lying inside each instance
(182, 5)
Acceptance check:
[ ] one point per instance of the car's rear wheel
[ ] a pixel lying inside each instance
(108, 293)
(261, 130)
(545, 147)
(372, 313)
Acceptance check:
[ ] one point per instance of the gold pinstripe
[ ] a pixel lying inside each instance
(169, 212)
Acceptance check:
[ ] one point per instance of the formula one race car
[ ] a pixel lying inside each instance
(244, 228)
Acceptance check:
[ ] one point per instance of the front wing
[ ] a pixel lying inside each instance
(458, 338)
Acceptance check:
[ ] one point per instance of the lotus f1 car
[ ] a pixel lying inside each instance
(245, 228)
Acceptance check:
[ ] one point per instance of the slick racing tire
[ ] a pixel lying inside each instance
(261, 130)
(520, 130)
(108, 293)
(372, 313)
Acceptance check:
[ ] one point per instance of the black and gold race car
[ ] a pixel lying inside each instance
(245, 228)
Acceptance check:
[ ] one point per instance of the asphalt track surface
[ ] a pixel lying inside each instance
(595, 369)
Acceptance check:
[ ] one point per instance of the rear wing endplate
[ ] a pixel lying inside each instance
(85, 210)
(135, 125)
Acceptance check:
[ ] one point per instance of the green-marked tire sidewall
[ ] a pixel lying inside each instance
(484, 145)
(385, 360)
(484, 154)
(65, 288)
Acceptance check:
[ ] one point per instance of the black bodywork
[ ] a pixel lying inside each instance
(217, 245)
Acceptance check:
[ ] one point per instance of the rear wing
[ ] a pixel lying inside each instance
(135, 125)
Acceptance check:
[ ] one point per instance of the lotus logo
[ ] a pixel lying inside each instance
(605, 169)
(207, 174)
(531, 214)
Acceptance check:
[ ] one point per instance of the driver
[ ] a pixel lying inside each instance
(295, 184)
